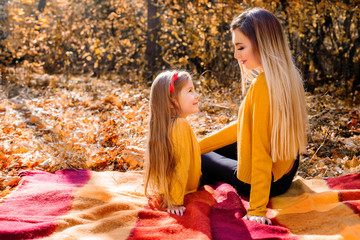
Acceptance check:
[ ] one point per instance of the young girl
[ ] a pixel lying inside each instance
(173, 163)
(259, 153)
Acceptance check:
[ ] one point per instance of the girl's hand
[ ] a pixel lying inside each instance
(178, 210)
(258, 219)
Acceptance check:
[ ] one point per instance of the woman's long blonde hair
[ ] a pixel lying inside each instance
(160, 162)
(287, 96)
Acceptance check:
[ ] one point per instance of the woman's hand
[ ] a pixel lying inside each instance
(258, 219)
(178, 210)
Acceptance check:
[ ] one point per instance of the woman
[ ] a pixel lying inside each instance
(259, 153)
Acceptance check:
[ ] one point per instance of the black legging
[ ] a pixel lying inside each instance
(221, 165)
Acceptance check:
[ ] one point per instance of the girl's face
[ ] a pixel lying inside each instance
(244, 51)
(188, 100)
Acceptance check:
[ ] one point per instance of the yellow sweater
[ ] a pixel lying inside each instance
(252, 132)
(188, 169)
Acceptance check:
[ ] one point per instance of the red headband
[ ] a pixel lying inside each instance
(174, 78)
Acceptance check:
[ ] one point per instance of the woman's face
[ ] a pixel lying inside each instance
(244, 51)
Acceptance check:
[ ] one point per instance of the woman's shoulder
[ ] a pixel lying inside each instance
(259, 90)
(260, 80)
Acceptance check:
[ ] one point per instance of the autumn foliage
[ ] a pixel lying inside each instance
(73, 90)
(51, 123)
(115, 35)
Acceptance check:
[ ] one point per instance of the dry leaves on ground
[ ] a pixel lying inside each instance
(50, 123)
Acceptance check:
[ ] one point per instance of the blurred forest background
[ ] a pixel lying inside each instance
(75, 76)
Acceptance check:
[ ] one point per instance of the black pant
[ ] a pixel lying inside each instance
(221, 165)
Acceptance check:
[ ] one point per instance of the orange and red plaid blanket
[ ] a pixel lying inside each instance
(82, 204)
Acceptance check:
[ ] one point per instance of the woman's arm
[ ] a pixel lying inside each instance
(219, 139)
(261, 170)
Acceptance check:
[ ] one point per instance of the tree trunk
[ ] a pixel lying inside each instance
(152, 49)
(41, 6)
(3, 21)
(356, 83)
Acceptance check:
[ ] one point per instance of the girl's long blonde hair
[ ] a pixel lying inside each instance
(287, 96)
(160, 162)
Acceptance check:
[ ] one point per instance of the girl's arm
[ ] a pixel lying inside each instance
(188, 169)
(178, 210)
(219, 139)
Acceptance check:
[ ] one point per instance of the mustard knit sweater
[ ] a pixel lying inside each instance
(188, 169)
(252, 132)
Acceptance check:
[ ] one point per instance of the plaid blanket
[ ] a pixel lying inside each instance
(82, 204)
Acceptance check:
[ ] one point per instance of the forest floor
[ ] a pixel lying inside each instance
(51, 122)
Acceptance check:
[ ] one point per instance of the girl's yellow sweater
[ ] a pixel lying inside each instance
(252, 131)
(188, 169)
